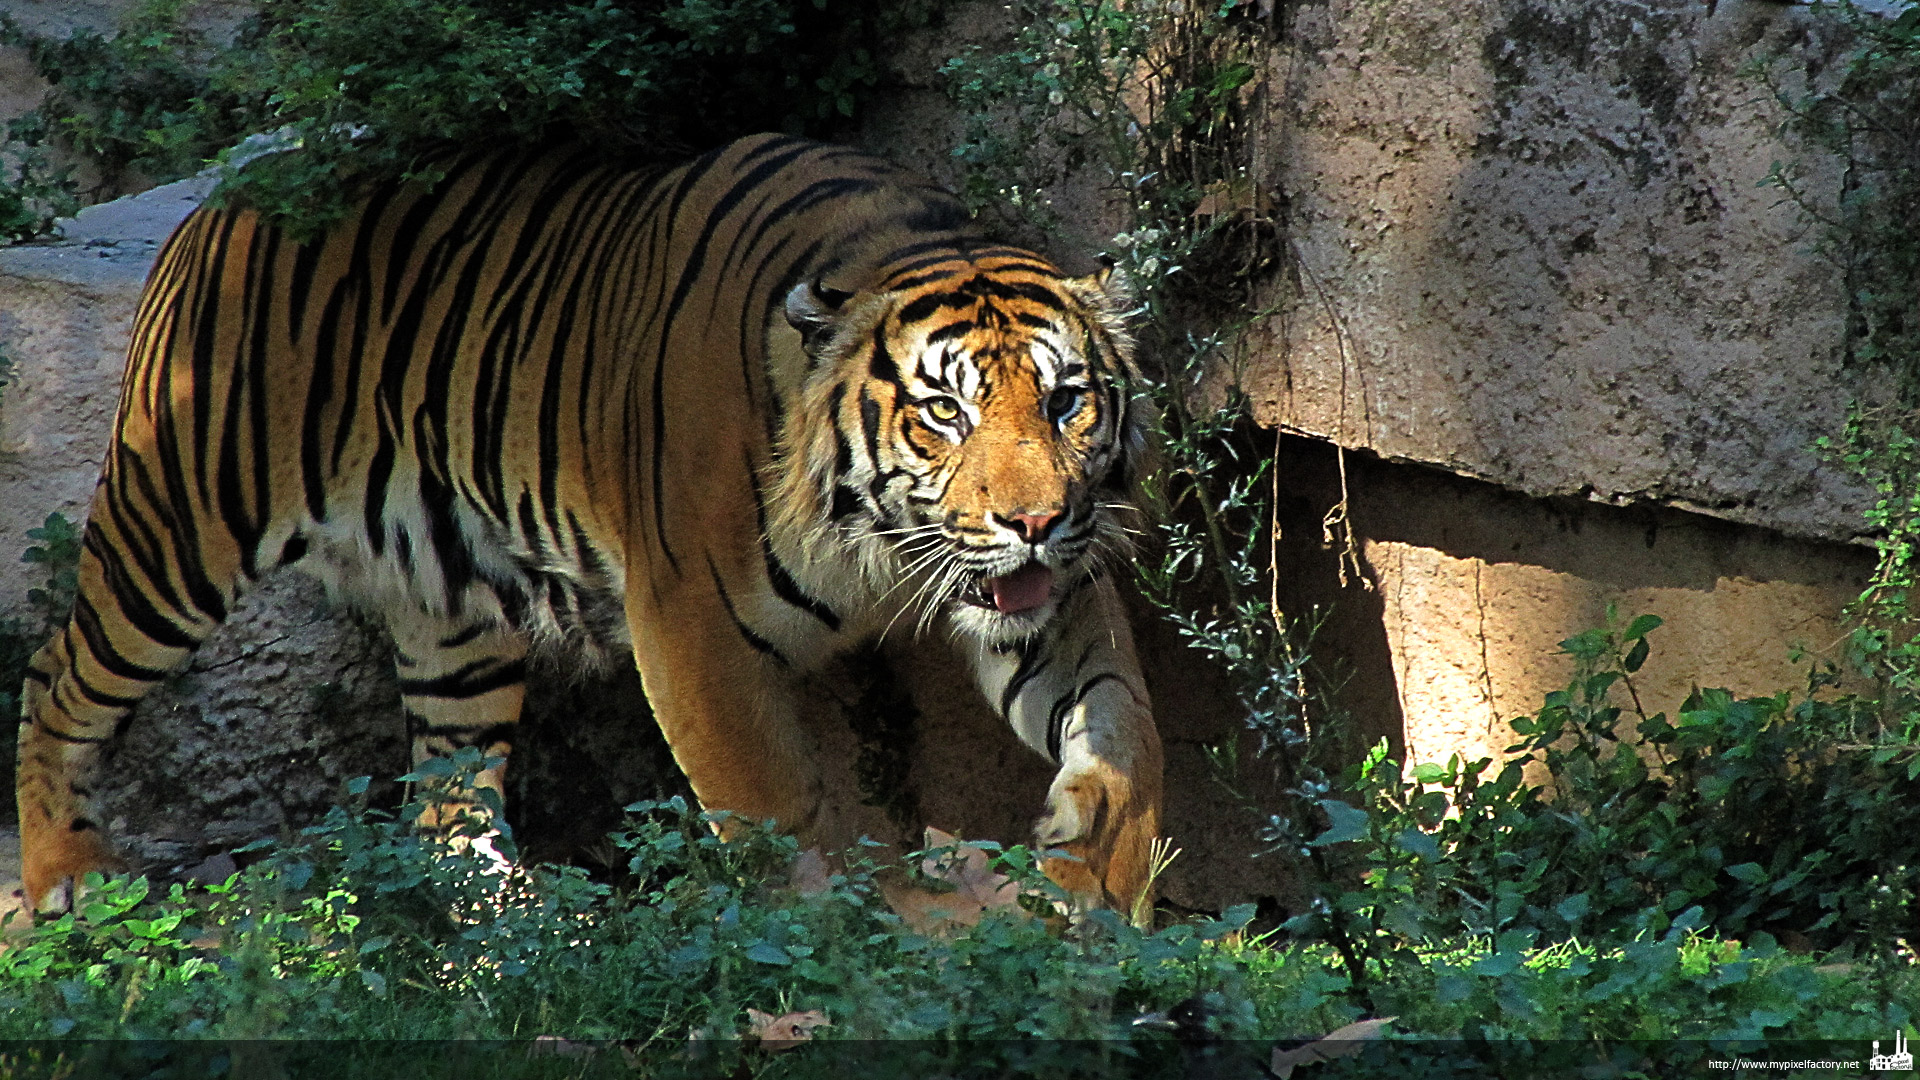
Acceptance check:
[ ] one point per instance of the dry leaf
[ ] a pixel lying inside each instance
(810, 876)
(786, 1031)
(970, 871)
(977, 888)
(1338, 1043)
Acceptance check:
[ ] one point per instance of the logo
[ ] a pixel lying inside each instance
(1898, 1061)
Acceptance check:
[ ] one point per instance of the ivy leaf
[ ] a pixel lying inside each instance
(1641, 627)
(1345, 823)
(769, 953)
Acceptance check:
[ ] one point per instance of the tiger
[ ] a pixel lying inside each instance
(725, 420)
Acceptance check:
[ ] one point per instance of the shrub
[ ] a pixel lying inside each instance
(372, 89)
(1780, 815)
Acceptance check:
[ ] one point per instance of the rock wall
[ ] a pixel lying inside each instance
(1548, 257)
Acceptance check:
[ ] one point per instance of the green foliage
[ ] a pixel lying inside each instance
(364, 928)
(138, 101)
(32, 192)
(58, 554)
(1866, 113)
(374, 89)
(1750, 816)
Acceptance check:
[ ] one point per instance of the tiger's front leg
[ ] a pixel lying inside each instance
(1075, 694)
(724, 697)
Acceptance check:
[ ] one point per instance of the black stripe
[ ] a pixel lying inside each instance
(319, 393)
(306, 263)
(100, 697)
(247, 390)
(842, 447)
(907, 426)
(882, 366)
(958, 328)
(207, 317)
(134, 607)
(135, 535)
(1032, 661)
(454, 641)
(1057, 718)
(593, 564)
(783, 584)
(470, 680)
(379, 472)
(86, 619)
(759, 644)
(82, 740)
(530, 536)
(846, 503)
(870, 426)
(926, 306)
(942, 249)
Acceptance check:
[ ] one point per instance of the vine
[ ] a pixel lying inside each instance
(1156, 100)
(1866, 114)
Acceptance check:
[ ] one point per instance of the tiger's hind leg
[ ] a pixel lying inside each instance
(140, 611)
(462, 684)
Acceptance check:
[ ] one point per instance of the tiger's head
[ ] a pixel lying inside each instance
(968, 432)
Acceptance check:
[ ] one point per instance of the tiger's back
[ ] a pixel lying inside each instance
(541, 401)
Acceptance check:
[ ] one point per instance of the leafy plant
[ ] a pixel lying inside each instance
(1751, 816)
(58, 553)
(361, 90)
(32, 192)
(359, 929)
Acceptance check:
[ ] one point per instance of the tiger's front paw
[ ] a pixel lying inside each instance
(1106, 827)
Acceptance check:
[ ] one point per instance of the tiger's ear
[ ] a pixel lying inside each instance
(811, 307)
(1108, 288)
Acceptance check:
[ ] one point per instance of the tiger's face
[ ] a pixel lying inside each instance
(981, 440)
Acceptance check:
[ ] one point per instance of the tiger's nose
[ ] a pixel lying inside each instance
(1032, 528)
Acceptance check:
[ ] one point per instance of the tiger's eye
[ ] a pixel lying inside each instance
(943, 409)
(1064, 402)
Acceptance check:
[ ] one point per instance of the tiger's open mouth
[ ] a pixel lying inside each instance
(1010, 594)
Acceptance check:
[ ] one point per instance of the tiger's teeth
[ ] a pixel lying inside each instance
(1023, 590)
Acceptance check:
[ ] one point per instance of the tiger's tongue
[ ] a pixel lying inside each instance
(1023, 590)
